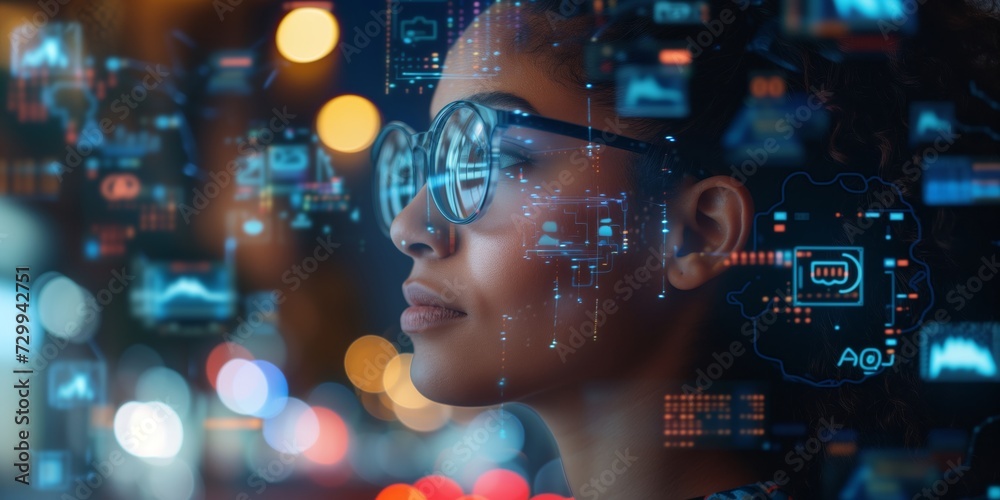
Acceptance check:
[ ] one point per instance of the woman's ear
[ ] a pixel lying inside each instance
(712, 219)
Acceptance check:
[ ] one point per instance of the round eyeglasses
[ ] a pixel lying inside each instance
(460, 157)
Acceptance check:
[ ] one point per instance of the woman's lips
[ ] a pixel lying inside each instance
(419, 318)
(427, 310)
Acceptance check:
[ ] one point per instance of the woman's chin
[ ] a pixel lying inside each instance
(450, 384)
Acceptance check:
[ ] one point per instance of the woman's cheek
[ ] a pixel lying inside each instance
(506, 280)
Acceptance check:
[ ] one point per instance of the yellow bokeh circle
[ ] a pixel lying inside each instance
(366, 360)
(427, 419)
(348, 123)
(399, 386)
(307, 34)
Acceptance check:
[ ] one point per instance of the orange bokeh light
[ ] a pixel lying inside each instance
(400, 492)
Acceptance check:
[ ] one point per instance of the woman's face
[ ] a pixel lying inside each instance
(488, 298)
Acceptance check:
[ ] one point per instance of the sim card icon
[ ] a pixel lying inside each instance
(419, 29)
(828, 276)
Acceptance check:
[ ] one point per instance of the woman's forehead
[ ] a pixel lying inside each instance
(463, 78)
(489, 57)
(523, 80)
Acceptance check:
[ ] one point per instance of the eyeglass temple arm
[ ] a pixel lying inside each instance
(573, 130)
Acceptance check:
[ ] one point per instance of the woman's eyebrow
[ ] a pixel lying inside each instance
(503, 100)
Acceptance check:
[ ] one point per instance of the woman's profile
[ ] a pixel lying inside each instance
(571, 258)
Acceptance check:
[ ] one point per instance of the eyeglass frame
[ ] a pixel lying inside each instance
(493, 118)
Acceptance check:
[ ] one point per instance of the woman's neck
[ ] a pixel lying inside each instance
(610, 437)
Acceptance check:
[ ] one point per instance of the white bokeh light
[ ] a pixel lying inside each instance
(242, 386)
(149, 430)
(294, 430)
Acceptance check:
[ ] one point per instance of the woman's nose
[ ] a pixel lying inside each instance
(420, 230)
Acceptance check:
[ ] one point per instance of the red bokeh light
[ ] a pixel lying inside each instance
(502, 484)
(222, 354)
(331, 445)
(438, 487)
